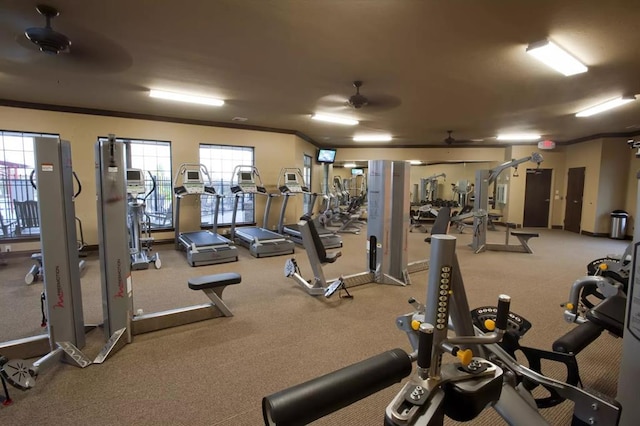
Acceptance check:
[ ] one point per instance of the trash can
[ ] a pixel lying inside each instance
(619, 220)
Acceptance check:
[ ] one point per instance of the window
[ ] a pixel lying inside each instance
(17, 161)
(154, 159)
(220, 160)
(306, 172)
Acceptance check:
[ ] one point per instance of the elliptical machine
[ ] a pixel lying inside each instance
(140, 239)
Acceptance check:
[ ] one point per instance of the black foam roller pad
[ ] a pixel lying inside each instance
(309, 401)
(578, 338)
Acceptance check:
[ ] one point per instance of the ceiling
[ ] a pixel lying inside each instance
(428, 66)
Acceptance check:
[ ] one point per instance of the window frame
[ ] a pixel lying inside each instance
(222, 182)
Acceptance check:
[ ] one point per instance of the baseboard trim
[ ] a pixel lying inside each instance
(557, 227)
(604, 235)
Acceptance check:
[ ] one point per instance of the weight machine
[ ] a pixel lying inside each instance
(484, 374)
(429, 187)
(36, 271)
(480, 213)
(65, 323)
(120, 322)
(140, 239)
(387, 234)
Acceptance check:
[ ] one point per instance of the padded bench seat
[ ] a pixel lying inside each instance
(213, 286)
(609, 314)
(213, 281)
(524, 237)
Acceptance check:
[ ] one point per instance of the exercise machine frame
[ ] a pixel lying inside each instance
(480, 214)
(203, 247)
(484, 375)
(65, 322)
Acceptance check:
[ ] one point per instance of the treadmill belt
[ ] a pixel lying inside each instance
(203, 239)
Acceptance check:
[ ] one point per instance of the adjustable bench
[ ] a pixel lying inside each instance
(211, 285)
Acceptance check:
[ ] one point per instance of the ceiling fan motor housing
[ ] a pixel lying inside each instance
(47, 40)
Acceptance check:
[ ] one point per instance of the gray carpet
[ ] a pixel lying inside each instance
(216, 372)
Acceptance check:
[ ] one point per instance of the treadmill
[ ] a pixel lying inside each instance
(202, 247)
(294, 184)
(260, 241)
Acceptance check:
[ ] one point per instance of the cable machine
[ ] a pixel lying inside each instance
(484, 178)
(65, 322)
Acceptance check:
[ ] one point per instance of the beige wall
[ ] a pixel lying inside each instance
(612, 189)
(272, 151)
(609, 182)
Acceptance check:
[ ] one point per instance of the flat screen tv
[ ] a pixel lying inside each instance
(357, 172)
(326, 156)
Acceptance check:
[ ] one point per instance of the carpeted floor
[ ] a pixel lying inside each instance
(216, 372)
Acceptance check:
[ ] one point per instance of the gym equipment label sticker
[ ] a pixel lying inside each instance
(46, 167)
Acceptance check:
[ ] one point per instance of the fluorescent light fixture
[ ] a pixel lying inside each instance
(161, 94)
(612, 103)
(518, 137)
(372, 138)
(555, 57)
(335, 119)
(349, 165)
(415, 162)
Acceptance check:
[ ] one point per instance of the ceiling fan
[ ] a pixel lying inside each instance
(48, 40)
(449, 140)
(23, 43)
(358, 101)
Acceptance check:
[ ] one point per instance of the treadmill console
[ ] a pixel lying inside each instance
(292, 184)
(192, 182)
(247, 184)
(135, 182)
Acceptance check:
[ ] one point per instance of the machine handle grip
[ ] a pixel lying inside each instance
(309, 401)
(425, 345)
(79, 185)
(502, 316)
(33, 183)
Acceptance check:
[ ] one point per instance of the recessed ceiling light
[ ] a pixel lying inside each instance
(372, 138)
(335, 119)
(415, 162)
(518, 137)
(239, 119)
(349, 165)
(161, 94)
(612, 103)
(555, 57)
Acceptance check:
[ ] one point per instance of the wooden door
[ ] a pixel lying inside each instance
(575, 190)
(537, 198)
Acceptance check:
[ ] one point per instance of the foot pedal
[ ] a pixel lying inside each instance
(113, 345)
(73, 355)
(17, 372)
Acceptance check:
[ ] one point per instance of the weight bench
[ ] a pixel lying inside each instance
(211, 285)
(524, 237)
